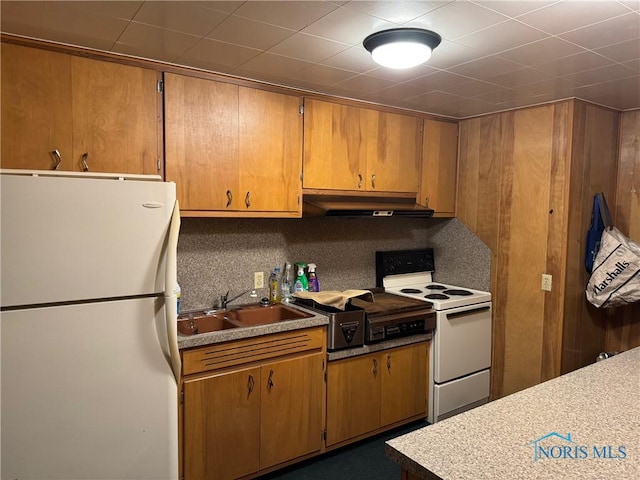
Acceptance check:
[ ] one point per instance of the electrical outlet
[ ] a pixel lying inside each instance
(258, 280)
(546, 282)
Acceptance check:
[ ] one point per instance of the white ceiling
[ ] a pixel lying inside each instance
(495, 55)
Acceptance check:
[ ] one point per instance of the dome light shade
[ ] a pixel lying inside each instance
(401, 47)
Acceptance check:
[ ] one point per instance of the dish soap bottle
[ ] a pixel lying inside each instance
(301, 284)
(275, 292)
(314, 286)
(285, 283)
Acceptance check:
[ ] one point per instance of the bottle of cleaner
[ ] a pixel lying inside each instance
(301, 284)
(285, 283)
(275, 292)
(178, 292)
(314, 286)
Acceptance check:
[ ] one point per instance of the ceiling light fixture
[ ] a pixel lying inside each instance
(401, 47)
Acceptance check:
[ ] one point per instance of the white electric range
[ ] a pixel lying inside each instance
(460, 359)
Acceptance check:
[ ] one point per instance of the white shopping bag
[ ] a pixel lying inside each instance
(615, 279)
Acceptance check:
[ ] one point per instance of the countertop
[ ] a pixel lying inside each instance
(199, 340)
(582, 425)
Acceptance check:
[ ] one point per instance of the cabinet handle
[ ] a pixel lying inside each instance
(250, 384)
(57, 159)
(389, 362)
(247, 201)
(229, 198)
(426, 201)
(270, 383)
(375, 367)
(359, 181)
(373, 181)
(83, 161)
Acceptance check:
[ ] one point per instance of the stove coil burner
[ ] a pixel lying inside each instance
(461, 293)
(411, 290)
(436, 296)
(435, 287)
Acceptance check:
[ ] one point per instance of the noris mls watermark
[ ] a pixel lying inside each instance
(554, 446)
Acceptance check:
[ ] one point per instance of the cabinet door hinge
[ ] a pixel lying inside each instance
(301, 176)
(301, 109)
(160, 86)
(158, 165)
(323, 435)
(182, 396)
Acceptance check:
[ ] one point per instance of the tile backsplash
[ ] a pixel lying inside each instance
(220, 255)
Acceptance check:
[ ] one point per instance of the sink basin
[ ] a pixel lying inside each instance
(202, 323)
(261, 315)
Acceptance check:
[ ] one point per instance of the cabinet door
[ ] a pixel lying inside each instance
(201, 142)
(353, 397)
(222, 425)
(334, 149)
(116, 123)
(270, 155)
(439, 167)
(36, 108)
(394, 145)
(292, 409)
(404, 383)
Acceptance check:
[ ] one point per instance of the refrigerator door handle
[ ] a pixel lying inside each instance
(171, 282)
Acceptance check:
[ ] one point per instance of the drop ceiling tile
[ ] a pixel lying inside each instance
(355, 58)
(542, 51)
(514, 8)
(270, 63)
(502, 36)
(621, 52)
(621, 94)
(395, 12)
(180, 16)
(558, 87)
(347, 26)
(568, 15)
(486, 67)
(472, 89)
(631, 4)
(220, 52)
(402, 75)
(400, 91)
(600, 75)
(499, 97)
(574, 63)
(308, 47)
(208, 66)
(448, 54)
(323, 75)
(633, 64)
(433, 99)
(611, 31)
(292, 15)
(439, 80)
(457, 19)
(157, 41)
(364, 84)
(519, 77)
(228, 7)
(249, 33)
(121, 9)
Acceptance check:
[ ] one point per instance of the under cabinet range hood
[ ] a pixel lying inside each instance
(346, 205)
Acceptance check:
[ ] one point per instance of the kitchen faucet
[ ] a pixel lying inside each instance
(225, 300)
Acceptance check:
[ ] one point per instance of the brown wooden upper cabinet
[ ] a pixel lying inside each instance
(359, 149)
(99, 116)
(232, 150)
(439, 167)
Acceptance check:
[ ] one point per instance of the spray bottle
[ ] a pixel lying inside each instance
(314, 286)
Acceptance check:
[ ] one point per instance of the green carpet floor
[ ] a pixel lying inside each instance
(364, 460)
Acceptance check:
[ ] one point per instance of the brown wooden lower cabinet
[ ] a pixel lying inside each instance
(244, 418)
(372, 391)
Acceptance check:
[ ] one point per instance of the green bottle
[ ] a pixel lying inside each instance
(301, 284)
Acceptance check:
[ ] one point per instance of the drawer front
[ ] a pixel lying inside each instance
(239, 352)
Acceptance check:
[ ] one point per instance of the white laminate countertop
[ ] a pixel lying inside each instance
(581, 425)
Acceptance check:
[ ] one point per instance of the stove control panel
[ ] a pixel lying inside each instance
(378, 331)
(403, 261)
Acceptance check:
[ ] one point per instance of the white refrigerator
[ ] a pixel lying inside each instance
(89, 358)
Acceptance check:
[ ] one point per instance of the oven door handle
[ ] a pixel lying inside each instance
(467, 312)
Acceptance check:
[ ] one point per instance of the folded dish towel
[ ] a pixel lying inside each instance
(334, 298)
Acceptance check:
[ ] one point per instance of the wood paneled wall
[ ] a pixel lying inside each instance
(526, 184)
(623, 324)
